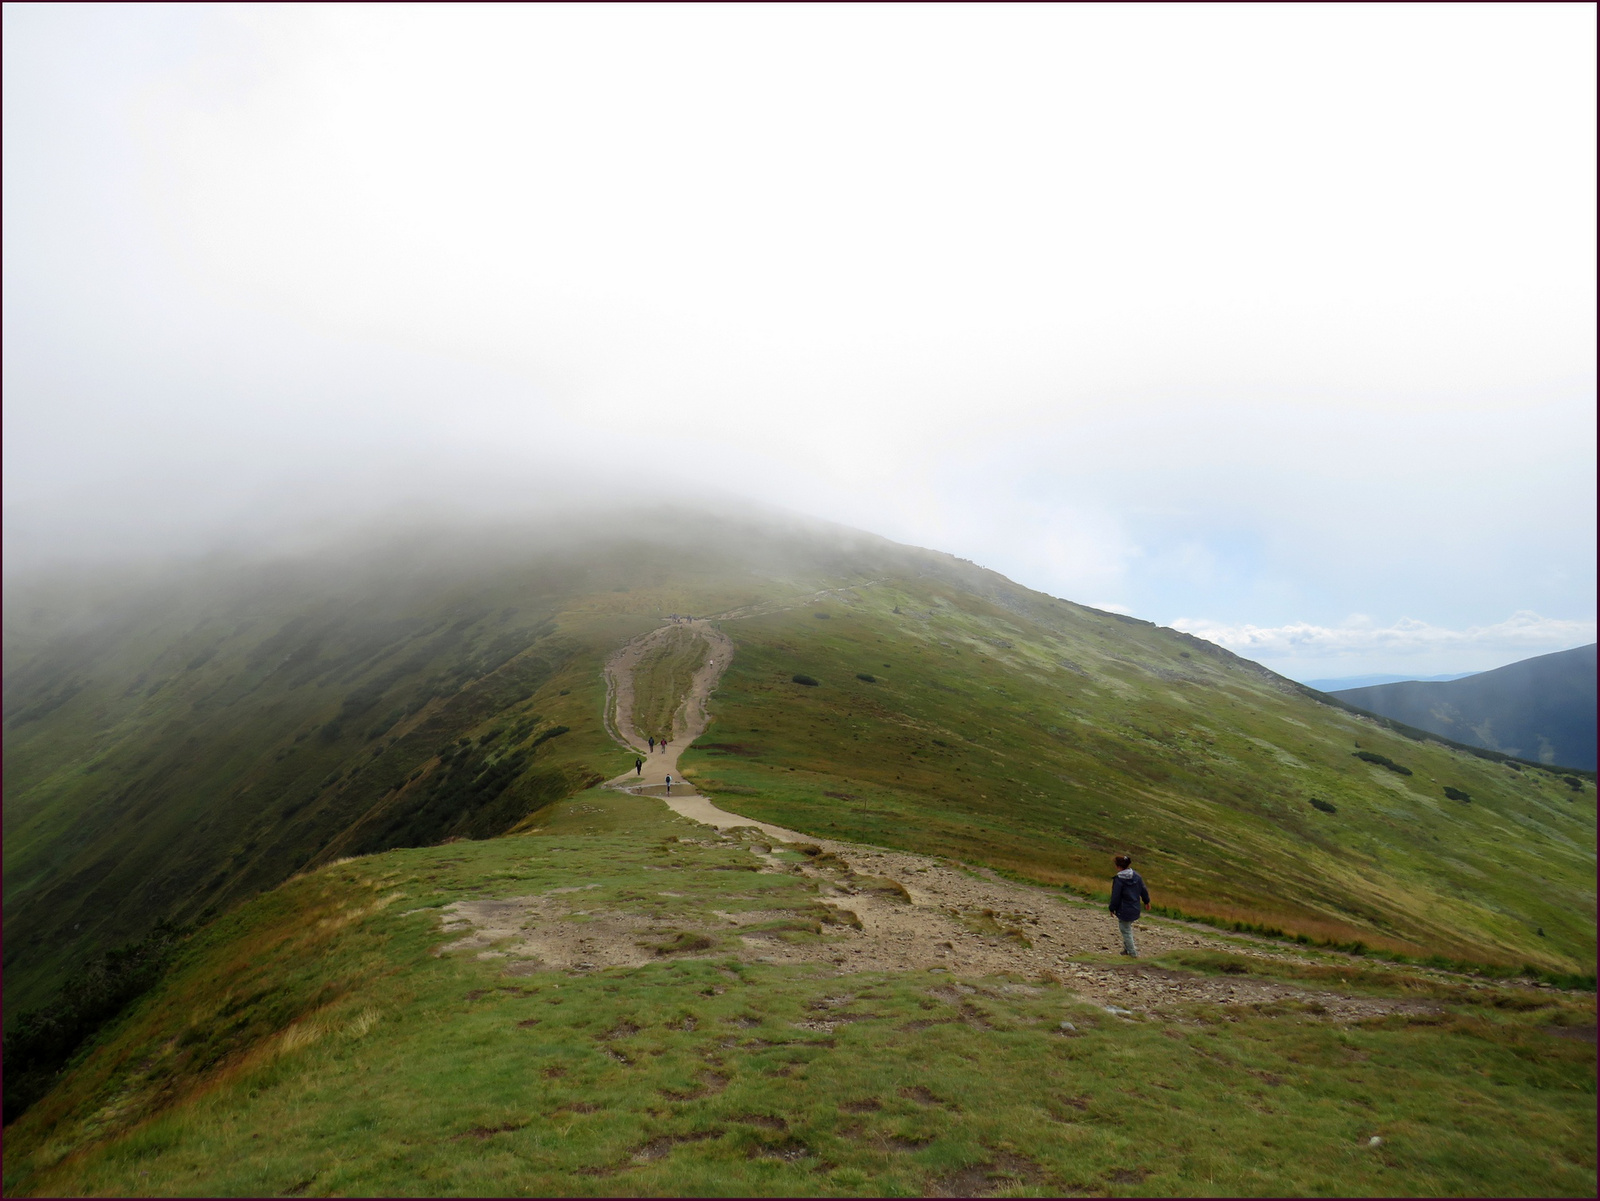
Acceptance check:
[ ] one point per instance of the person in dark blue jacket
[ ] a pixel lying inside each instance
(1127, 890)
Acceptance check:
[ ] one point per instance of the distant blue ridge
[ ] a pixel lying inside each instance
(1541, 710)
(1339, 682)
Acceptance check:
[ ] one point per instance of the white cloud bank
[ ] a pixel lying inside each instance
(1266, 312)
(1522, 635)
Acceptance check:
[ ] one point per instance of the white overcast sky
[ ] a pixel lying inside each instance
(1277, 323)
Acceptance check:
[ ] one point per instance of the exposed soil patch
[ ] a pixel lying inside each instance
(880, 932)
(661, 1147)
(870, 1105)
(900, 1142)
(1585, 1034)
(789, 1150)
(1004, 1172)
(710, 1082)
(764, 1121)
(1128, 1175)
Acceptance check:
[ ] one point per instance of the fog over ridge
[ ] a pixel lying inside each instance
(1255, 319)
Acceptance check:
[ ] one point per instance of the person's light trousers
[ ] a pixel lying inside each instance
(1127, 937)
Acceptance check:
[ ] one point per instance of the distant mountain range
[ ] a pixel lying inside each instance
(1541, 708)
(1340, 683)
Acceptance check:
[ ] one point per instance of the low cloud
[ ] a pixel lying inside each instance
(1524, 631)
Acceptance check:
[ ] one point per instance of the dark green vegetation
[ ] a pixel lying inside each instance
(179, 742)
(40, 1041)
(1541, 709)
(1383, 761)
(311, 1042)
(206, 737)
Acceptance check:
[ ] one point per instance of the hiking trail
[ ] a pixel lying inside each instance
(916, 912)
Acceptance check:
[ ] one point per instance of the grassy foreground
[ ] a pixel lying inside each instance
(312, 1042)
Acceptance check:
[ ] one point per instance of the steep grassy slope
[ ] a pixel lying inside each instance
(325, 1039)
(195, 751)
(196, 736)
(1541, 708)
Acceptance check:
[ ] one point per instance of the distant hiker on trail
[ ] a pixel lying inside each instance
(652, 743)
(663, 744)
(1127, 890)
(669, 785)
(638, 767)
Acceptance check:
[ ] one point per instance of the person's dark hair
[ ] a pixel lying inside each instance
(1123, 861)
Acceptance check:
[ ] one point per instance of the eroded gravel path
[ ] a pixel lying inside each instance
(690, 718)
(954, 921)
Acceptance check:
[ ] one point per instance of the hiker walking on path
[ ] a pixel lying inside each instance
(669, 785)
(1127, 890)
(638, 767)
(652, 743)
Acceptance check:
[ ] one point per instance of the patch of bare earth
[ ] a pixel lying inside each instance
(968, 926)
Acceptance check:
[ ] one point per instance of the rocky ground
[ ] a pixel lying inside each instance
(902, 912)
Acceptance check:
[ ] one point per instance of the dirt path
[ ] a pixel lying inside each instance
(947, 918)
(688, 721)
(914, 912)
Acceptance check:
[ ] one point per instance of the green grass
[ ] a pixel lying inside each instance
(661, 681)
(312, 1042)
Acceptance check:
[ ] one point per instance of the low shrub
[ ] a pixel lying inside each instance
(1455, 794)
(871, 679)
(1382, 761)
(803, 679)
(552, 732)
(1326, 807)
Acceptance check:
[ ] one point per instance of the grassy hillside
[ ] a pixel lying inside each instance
(184, 740)
(1041, 736)
(340, 1036)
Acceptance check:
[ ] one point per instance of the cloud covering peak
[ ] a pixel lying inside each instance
(1274, 313)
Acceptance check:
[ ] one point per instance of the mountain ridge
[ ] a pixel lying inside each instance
(480, 973)
(1540, 709)
(207, 734)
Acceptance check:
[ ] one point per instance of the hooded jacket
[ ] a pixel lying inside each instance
(1127, 890)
